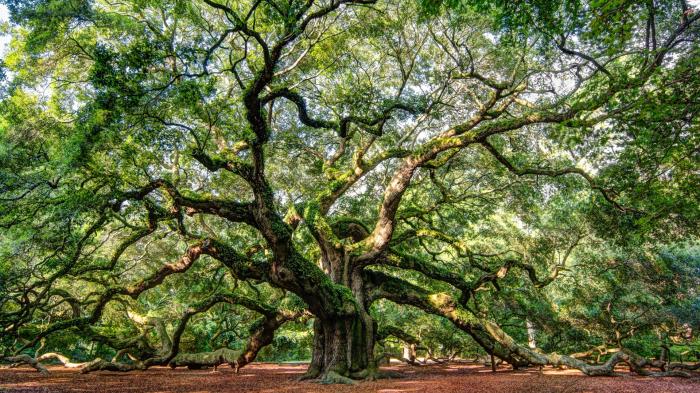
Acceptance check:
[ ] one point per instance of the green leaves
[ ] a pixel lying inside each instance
(47, 19)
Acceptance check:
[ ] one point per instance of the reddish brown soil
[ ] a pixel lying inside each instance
(274, 378)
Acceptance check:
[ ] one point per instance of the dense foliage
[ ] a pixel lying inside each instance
(180, 181)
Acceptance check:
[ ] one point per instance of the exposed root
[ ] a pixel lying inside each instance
(366, 374)
(377, 375)
(332, 377)
(390, 375)
(373, 374)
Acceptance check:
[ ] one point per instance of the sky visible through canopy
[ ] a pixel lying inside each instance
(5, 38)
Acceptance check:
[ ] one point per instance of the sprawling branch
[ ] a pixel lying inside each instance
(469, 287)
(492, 338)
(341, 126)
(230, 210)
(261, 334)
(26, 359)
(477, 129)
(607, 194)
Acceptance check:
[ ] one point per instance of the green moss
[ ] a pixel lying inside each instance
(341, 299)
(437, 145)
(318, 224)
(280, 228)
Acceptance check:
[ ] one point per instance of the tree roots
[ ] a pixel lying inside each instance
(332, 377)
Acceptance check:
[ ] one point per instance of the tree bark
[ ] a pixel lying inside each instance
(409, 353)
(343, 350)
(26, 359)
(344, 347)
(531, 334)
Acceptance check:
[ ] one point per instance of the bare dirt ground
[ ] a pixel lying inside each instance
(273, 378)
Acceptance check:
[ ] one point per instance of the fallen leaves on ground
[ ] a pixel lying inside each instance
(274, 378)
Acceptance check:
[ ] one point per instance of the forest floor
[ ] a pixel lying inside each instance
(274, 378)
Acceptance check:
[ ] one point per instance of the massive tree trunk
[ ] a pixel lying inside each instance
(342, 350)
(344, 347)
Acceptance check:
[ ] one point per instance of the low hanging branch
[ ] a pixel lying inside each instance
(36, 362)
(599, 351)
(261, 334)
(635, 362)
(28, 360)
(497, 342)
(64, 360)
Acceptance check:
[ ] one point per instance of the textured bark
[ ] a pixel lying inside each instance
(100, 364)
(28, 360)
(342, 350)
(343, 347)
(206, 359)
(65, 361)
(317, 353)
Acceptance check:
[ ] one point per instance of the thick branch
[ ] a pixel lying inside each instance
(491, 337)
